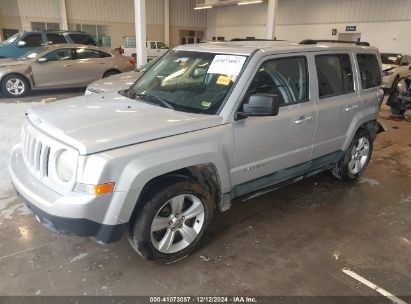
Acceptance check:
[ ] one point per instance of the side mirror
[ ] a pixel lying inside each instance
(21, 43)
(42, 60)
(260, 105)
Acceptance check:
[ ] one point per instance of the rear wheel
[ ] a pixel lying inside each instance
(172, 221)
(15, 85)
(356, 158)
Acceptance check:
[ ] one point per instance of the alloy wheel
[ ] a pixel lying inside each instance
(359, 155)
(177, 223)
(15, 86)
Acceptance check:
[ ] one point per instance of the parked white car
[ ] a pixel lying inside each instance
(154, 49)
(394, 67)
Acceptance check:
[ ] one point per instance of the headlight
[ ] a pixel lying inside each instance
(402, 86)
(65, 164)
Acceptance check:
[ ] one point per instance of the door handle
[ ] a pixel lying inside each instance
(302, 120)
(68, 65)
(101, 63)
(351, 108)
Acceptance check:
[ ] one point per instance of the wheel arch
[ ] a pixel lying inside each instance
(373, 127)
(18, 74)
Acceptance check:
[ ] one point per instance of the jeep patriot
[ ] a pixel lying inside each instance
(206, 124)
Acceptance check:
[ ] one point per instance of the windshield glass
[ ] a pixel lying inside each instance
(32, 53)
(388, 58)
(189, 81)
(12, 38)
(146, 66)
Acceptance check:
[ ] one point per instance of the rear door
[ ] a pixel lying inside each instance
(337, 101)
(57, 71)
(264, 145)
(90, 64)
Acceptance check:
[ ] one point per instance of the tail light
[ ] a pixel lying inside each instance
(132, 60)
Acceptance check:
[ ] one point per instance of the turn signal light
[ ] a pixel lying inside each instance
(95, 189)
(104, 188)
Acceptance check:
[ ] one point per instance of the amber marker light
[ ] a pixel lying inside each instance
(104, 188)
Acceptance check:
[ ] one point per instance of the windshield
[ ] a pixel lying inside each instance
(12, 38)
(32, 53)
(189, 81)
(388, 58)
(146, 66)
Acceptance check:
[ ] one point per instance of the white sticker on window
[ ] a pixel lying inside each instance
(226, 65)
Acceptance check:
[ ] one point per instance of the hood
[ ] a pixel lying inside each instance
(116, 82)
(386, 66)
(106, 121)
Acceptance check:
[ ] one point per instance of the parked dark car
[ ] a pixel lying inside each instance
(400, 97)
(21, 43)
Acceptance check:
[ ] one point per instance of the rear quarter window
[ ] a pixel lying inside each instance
(370, 70)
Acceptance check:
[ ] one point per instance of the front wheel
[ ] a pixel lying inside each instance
(356, 158)
(15, 86)
(172, 221)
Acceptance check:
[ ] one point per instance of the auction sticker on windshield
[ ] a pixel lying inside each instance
(226, 65)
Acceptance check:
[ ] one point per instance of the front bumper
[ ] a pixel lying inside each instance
(74, 213)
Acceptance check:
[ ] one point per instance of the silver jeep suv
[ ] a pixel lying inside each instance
(206, 124)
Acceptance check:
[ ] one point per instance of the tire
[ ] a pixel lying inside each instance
(110, 73)
(397, 111)
(356, 158)
(15, 85)
(183, 209)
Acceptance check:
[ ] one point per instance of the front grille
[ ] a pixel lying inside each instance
(35, 154)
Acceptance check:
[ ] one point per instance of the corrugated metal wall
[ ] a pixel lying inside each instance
(336, 11)
(9, 8)
(38, 8)
(182, 14)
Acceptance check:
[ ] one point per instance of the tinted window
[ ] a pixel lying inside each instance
(104, 54)
(285, 77)
(33, 40)
(55, 38)
(58, 55)
(369, 70)
(334, 74)
(87, 53)
(152, 45)
(161, 45)
(82, 39)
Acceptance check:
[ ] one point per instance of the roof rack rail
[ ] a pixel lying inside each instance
(253, 39)
(314, 41)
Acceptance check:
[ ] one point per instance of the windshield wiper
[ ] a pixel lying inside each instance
(156, 99)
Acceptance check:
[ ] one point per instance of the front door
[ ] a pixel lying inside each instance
(56, 71)
(265, 145)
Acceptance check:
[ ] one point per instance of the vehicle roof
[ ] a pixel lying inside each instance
(271, 46)
(57, 31)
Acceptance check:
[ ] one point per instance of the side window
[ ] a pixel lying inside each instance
(161, 45)
(334, 75)
(153, 45)
(59, 55)
(55, 38)
(369, 70)
(82, 39)
(285, 77)
(87, 53)
(33, 40)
